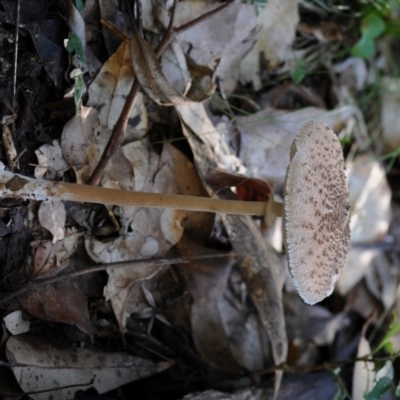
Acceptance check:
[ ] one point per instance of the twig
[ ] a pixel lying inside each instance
(15, 57)
(120, 127)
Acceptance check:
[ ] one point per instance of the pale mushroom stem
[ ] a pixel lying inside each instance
(21, 187)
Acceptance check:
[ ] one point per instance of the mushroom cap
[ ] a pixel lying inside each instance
(316, 211)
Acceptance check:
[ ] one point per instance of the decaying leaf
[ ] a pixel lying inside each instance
(83, 141)
(260, 265)
(150, 75)
(60, 373)
(226, 37)
(370, 197)
(363, 373)
(277, 21)
(49, 303)
(52, 216)
(389, 113)
(52, 164)
(266, 137)
(146, 233)
(108, 91)
(226, 334)
(15, 323)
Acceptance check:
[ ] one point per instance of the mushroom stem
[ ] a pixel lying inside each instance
(21, 187)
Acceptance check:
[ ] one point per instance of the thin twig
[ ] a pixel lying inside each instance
(120, 127)
(15, 58)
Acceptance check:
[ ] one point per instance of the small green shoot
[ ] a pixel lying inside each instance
(74, 45)
(372, 26)
(381, 387)
(393, 329)
(77, 75)
(79, 5)
(397, 392)
(299, 72)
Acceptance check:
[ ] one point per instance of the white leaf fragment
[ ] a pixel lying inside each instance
(15, 324)
(59, 374)
(52, 217)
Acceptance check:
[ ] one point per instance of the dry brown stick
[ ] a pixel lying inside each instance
(15, 59)
(120, 127)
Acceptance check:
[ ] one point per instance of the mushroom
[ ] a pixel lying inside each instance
(316, 207)
(316, 211)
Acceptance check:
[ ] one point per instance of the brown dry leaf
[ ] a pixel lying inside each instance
(277, 22)
(49, 303)
(52, 217)
(51, 257)
(247, 189)
(370, 198)
(226, 334)
(198, 225)
(110, 11)
(145, 233)
(108, 91)
(381, 280)
(266, 137)
(83, 141)
(52, 164)
(150, 75)
(261, 267)
(226, 36)
(60, 373)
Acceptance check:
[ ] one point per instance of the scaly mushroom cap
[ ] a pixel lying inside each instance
(316, 211)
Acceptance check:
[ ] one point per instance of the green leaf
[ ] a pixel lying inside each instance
(372, 26)
(393, 329)
(299, 72)
(381, 387)
(77, 75)
(364, 48)
(79, 5)
(74, 45)
(397, 392)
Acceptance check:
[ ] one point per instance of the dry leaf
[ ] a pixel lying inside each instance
(226, 333)
(60, 373)
(51, 257)
(390, 89)
(83, 141)
(15, 324)
(52, 217)
(145, 233)
(278, 21)
(267, 135)
(261, 268)
(148, 72)
(52, 164)
(363, 373)
(370, 198)
(227, 36)
(108, 92)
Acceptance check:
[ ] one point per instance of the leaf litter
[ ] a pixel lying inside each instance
(229, 311)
